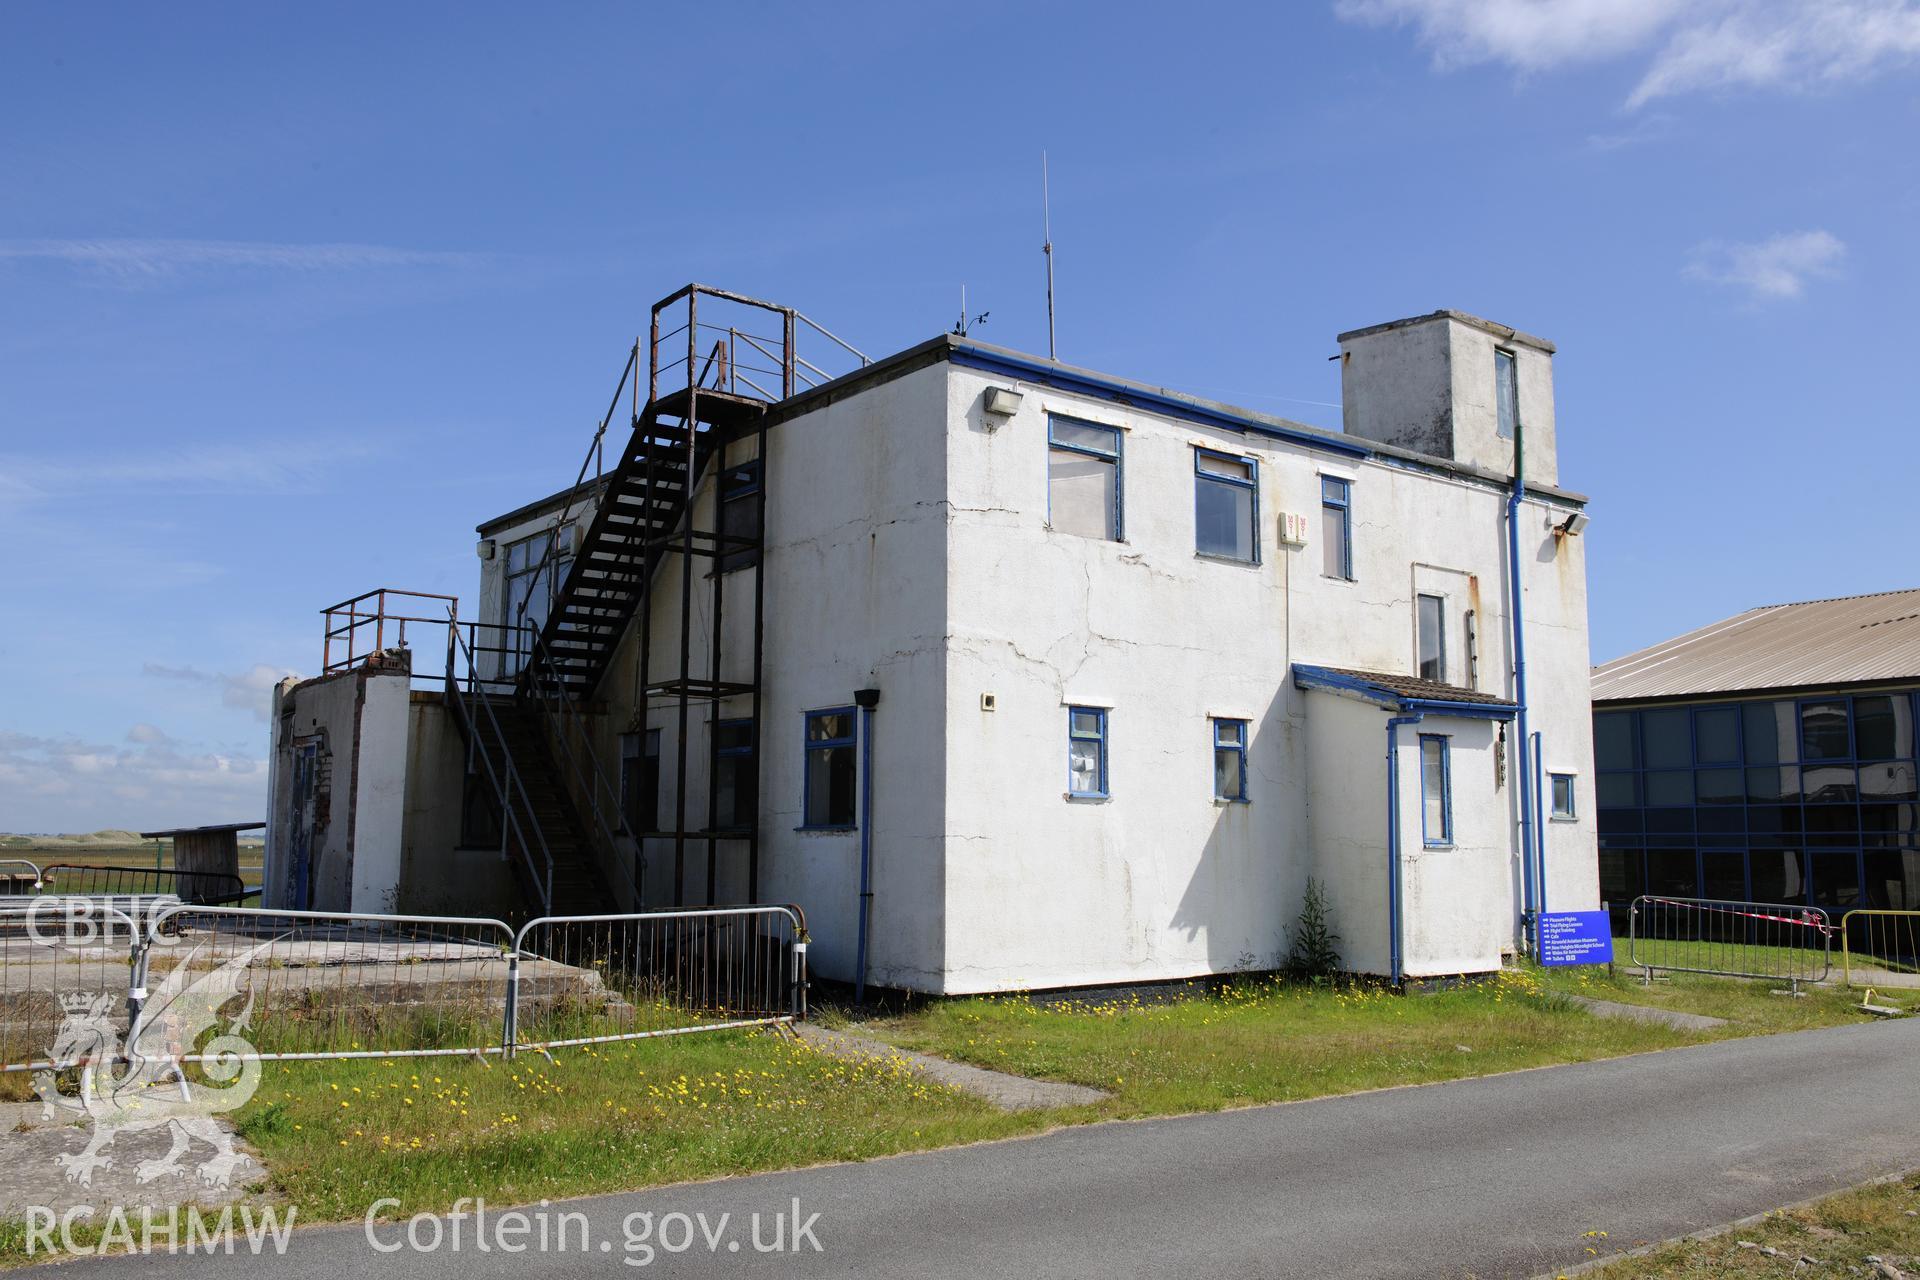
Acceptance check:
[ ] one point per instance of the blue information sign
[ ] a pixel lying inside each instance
(1576, 937)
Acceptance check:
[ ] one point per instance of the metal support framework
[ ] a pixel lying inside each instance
(732, 366)
(713, 394)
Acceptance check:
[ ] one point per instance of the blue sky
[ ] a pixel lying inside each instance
(294, 297)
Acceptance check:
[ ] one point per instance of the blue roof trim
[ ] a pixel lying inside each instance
(1308, 677)
(1060, 379)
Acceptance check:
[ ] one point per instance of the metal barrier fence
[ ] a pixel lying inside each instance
(17, 875)
(659, 973)
(1880, 948)
(1730, 939)
(76, 881)
(153, 978)
(334, 985)
(64, 965)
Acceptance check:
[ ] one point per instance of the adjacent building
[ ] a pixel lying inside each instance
(1011, 674)
(1769, 757)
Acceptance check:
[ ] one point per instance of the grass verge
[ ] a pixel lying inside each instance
(338, 1135)
(1854, 1233)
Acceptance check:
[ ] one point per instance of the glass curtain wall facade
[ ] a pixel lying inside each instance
(1799, 800)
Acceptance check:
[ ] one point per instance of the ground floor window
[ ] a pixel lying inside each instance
(830, 768)
(1230, 760)
(736, 782)
(640, 780)
(1561, 787)
(1838, 880)
(1436, 791)
(1087, 752)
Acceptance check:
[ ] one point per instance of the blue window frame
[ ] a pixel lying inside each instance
(1336, 527)
(1083, 479)
(1087, 752)
(1436, 791)
(1560, 796)
(830, 769)
(1230, 760)
(1796, 801)
(1226, 506)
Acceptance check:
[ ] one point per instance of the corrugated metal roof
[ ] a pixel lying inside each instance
(1781, 646)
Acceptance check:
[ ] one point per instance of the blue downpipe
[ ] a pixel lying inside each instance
(1396, 963)
(866, 854)
(1530, 889)
(1539, 829)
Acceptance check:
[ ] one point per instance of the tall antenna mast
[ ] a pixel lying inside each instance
(1046, 222)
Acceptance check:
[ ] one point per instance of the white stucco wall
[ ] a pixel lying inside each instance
(1427, 384)
(908, 550)
(362, 717)
(1158, 881)
(855, 538)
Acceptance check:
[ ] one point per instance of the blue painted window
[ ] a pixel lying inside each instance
(736, 782)
(1436, 791)
(1087, 752)
(1431, 638)
(1560, 789)
(830, 768)
(1336, 527)
(1226, 506)
(1506, 393)
(1083, 479)
(1230, 760)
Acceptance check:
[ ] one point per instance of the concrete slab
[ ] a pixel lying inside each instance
(32, 1174)
(1008, 1092)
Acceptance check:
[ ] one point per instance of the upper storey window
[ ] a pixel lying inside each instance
(1083, 478)
(1226, 506)
(1506, 392)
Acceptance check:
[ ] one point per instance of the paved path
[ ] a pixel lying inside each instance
(1003, 1090)
(1492, 1177)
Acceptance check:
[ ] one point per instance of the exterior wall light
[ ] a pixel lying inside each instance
(1574, 525)
(484, 548)
(1001, 403)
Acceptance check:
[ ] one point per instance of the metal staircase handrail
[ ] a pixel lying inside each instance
(542, 871)
(545, 683)
(596, 454)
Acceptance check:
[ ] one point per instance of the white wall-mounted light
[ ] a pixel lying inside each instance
(484, 548)
(1574, 524)
(1001, 403)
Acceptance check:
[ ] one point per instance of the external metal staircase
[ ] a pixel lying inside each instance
(524, 691)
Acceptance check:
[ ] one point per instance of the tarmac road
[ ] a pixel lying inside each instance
(1500, 1176)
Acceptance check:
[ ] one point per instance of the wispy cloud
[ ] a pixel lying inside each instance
(1690, 45)
(250, 690)
(1777, 267)
(136, 261)
(70, 785)
(262, 468)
